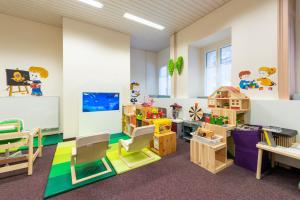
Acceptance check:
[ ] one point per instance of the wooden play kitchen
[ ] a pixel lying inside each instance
(164, 140)
(208, 146)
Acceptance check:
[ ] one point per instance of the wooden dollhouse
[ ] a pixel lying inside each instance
(230, 104)
(228, 98)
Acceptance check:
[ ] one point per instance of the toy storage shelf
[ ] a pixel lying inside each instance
(164, 144)
(212, 157)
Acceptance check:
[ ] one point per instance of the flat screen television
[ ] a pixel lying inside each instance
(94, 101)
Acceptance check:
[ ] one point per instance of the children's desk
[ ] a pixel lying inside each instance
(291, 152)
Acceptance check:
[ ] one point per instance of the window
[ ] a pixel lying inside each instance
(217, 69)
(164, 82)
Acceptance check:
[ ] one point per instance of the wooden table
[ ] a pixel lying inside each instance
(277, 150)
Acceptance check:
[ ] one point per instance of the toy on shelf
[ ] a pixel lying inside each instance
(276, 136)
(129, 120)
(175, 110)
(228, 107)
(228, 98)
(148, 101)
(139, 119)
(189, 127)
(162, 125)
(203, 132)
(134, 92)
(155, 113)
(195, 112)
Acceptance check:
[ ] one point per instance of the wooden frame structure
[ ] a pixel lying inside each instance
(89, 149)
(231, 103)
(211, 157)
(14, 161)
(142, 136)
(228, 97)
(274, 150)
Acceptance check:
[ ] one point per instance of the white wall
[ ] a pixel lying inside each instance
(196, 72)
(138, 70)
(151, 69)
(254, 39)
(163, 57)
(95, 59)
(143, 67)
(280, 113)
(25, 43)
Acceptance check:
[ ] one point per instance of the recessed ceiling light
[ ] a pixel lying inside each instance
(94, 3)
(143, 21)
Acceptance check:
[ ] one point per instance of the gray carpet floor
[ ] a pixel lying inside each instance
(173, 177)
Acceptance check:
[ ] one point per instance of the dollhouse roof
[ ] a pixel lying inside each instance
(233, 93)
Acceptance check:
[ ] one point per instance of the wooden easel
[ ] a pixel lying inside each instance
(19, 90)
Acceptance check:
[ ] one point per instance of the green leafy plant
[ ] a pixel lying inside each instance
(179, 64)
(171, 67)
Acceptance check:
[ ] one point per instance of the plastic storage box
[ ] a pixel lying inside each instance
(215, 140)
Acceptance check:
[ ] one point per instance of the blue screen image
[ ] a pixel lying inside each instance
(94, 102)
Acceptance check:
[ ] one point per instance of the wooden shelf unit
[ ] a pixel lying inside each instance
(211, 157)
(164, 144)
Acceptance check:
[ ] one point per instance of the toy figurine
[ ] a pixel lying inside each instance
(134, 92)
(175, 110)
(148, 101)
(203, 132)
(139, 118)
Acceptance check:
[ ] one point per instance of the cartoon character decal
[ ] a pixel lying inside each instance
(263, 81)
(134, 92)
(17, 76)
(36, 74)
(245, 82)
(264, 77)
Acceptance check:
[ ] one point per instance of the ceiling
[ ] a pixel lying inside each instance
(173, 14)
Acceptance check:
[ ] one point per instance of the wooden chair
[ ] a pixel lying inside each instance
(89, 149)
(142, 136)
(13, 137)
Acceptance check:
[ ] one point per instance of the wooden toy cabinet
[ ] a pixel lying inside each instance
(164, 144)
(131, 113)
(128, 119)
(211, 157)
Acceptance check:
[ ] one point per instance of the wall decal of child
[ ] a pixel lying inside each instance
(36, 74)
(264, 77)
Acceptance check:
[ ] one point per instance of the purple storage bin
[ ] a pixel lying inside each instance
(245, 148)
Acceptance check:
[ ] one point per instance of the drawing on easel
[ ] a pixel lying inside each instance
(17, 79)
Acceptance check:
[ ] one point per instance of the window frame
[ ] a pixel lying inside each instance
(167, 81)
(209, 49)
